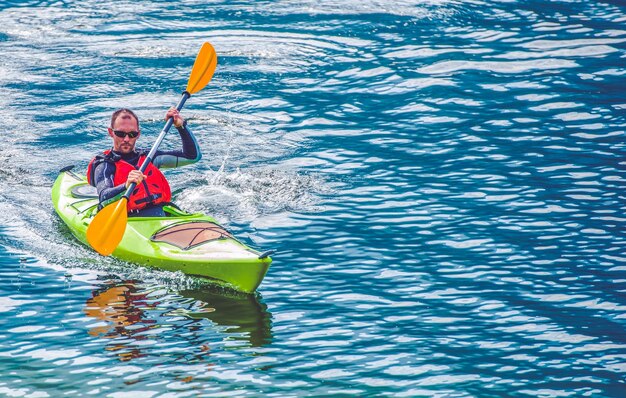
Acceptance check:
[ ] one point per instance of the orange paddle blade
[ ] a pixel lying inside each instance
(107, 228)
(203, 68)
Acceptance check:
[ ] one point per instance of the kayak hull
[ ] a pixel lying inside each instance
(194, 244)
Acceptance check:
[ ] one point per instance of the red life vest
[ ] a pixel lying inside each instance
(151, 191)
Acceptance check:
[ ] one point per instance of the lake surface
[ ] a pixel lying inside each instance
(444, 183)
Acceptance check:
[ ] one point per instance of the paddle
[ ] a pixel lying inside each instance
(108, 226)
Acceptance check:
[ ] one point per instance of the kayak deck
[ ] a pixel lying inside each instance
(192, 243)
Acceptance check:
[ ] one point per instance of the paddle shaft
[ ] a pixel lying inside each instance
(157, 143)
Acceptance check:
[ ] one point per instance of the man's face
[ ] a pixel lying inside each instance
(124, 123)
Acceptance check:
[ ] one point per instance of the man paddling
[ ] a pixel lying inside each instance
(116, 169)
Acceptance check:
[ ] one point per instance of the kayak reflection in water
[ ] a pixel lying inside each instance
(133, 318)
(243, 317)
(114, 170)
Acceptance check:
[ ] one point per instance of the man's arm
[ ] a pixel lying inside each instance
(103, 178)
(189, 154)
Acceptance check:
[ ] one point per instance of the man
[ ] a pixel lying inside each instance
(113, 171)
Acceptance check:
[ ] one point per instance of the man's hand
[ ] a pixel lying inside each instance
(135, 176)
(173, 113)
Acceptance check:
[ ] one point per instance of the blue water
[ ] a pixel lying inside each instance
(444, 183)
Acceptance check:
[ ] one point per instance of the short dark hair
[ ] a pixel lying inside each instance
(123, 110)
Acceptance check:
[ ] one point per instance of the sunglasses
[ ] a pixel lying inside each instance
(122, 134)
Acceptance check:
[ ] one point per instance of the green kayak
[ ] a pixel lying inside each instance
(192, 243)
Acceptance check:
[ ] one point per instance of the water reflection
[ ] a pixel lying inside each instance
(133, 317)
(120, 306)
(245, 316)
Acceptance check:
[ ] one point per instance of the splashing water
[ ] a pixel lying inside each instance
(244, 196)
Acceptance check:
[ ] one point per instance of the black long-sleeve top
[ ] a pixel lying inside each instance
(105, 171)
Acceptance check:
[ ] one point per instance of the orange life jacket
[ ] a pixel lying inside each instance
(151, 191)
